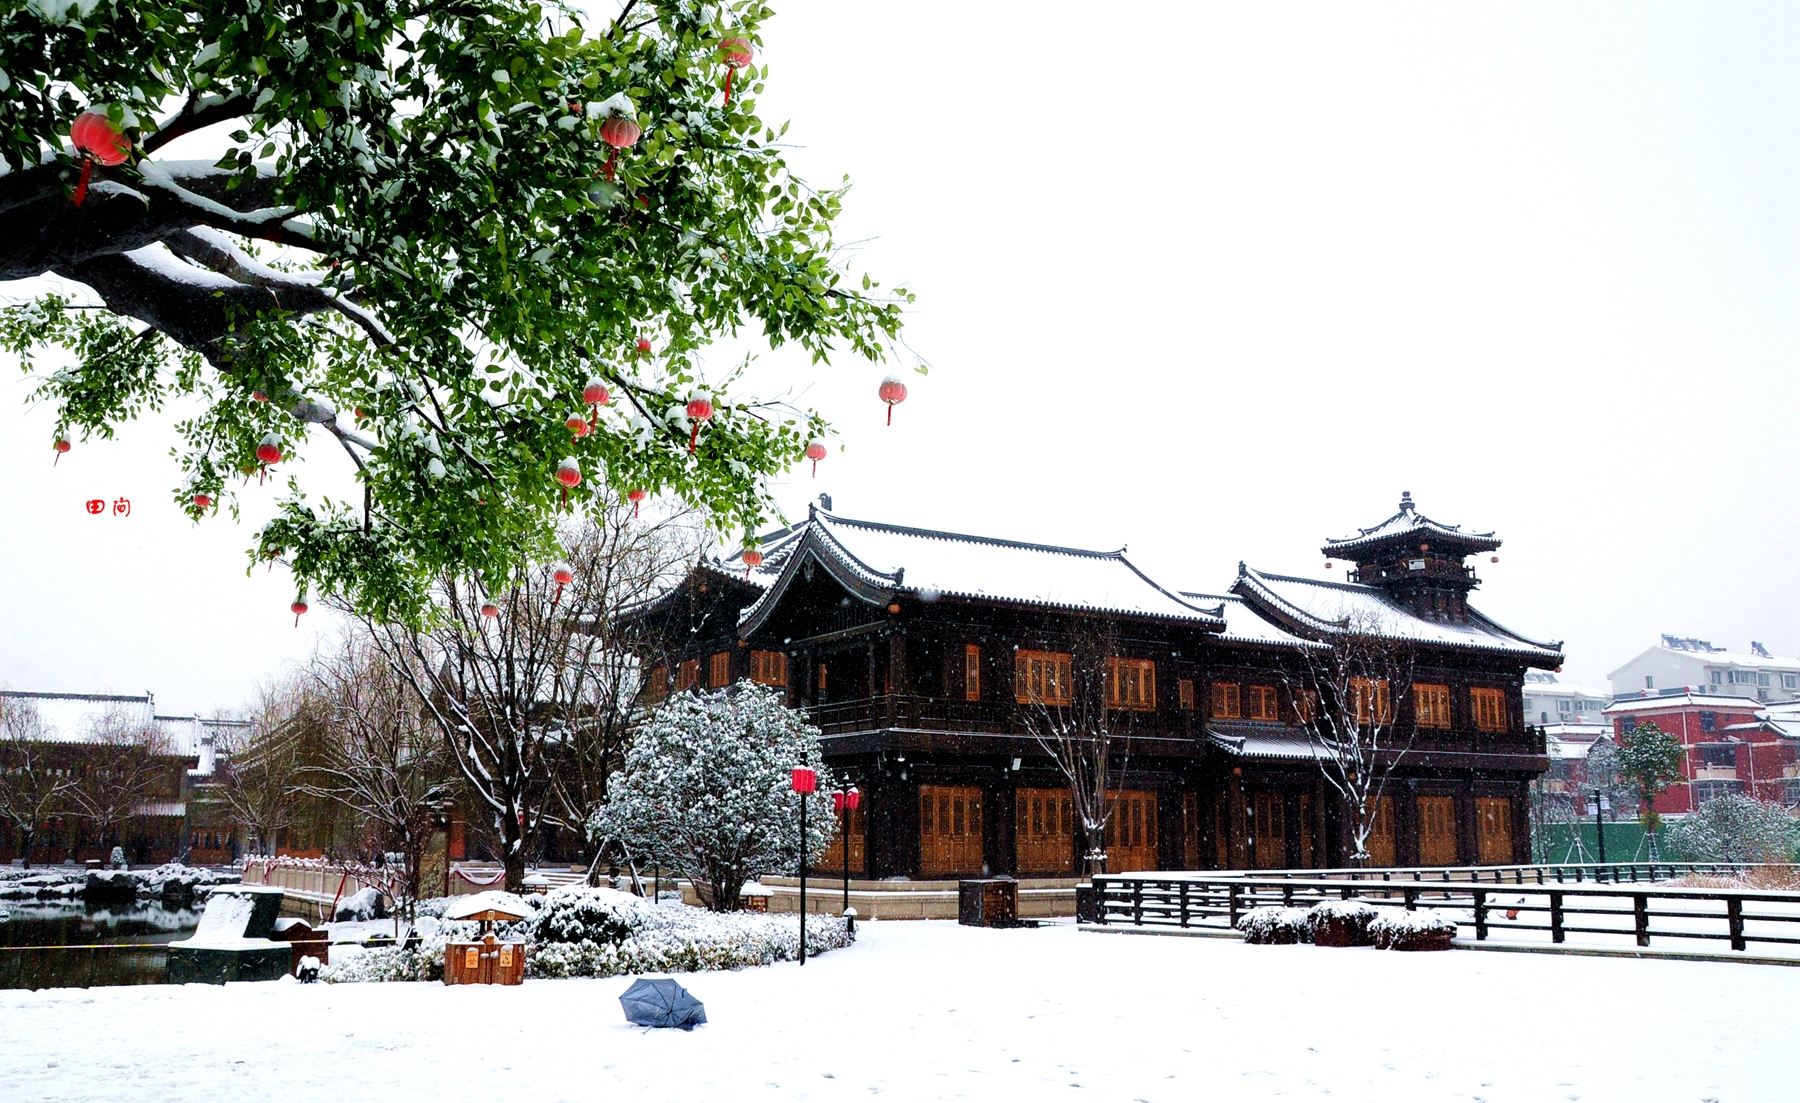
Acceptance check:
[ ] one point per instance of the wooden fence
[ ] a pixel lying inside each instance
(1519, 904)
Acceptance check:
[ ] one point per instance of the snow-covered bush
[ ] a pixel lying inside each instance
(363, 904)
(577, 913)
(1341, 923)
(1275, 926)
(1734, 828)
(705, 789)
(1424, 929)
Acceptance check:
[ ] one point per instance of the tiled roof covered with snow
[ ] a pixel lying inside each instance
(1316, 607)
(893, 559)
(1409, 522)
(1244, 625)
(1262, 740)
(72, 717)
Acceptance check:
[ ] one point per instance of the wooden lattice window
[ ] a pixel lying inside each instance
(656, 685)
(949, 829)
(1184, 692)
(1489, 708)
(1131, 832)
(718, 670)
(687, 676)
(1044, 832)
(1493, 830)
(1262, 703)
(768, 668)
(1043, 677)
(971, 672)
(1306, 706)
(1227, 703)
(1432, 705)
(1369, 699)
(1131, 684)
(834, 853)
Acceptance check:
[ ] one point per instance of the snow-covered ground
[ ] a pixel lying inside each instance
(930, 1010)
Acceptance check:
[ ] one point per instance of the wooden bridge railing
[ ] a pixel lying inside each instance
(1621, 902)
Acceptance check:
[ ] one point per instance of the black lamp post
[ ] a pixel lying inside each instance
(806, 781)
(846, 802)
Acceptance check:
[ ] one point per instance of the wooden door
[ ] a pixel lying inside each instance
(949, 829)
(1305, 830)
(1221, 831)
(1131, 832)
(1437, 831)
(833, 861)
(1190, 831)
(1268, 831)
(1493, 830)
(1380, 842)
(1044, 832)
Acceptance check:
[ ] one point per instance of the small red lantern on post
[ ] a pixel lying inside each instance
(636, 498)
(892, 392)
(845, 802)
(699, 409)
(737, 54)
(619, 132)
(94, 136)
(815, 452)
(806, 781)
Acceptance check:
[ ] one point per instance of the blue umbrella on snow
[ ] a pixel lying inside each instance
(659, 1001)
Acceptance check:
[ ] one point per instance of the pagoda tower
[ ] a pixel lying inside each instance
(1418, 562)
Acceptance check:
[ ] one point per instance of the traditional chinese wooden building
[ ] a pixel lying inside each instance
(919, 655)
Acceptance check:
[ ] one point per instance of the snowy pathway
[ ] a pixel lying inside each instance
(935, 1011)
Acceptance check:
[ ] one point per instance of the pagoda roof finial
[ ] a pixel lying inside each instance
(1406, 502)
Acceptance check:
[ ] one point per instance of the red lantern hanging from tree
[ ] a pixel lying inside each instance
(489, 609)
(892, 392)
(752, 560)
(643, 346)
(815, 452)
(298, 608)
(699, 408)
(268, 451)
(577, 425)
(62, 445)
(737, 54)
(619, 132)
(562, 576)
(568, 473)
(635, 497)
(595, 394)
(202, 501)
(96, 140)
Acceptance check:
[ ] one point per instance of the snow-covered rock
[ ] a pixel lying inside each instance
(363, 904)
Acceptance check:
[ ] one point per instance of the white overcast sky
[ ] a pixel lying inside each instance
(1217, 282)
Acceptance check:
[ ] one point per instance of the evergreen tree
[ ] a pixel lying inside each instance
(706, 789)
(1650, 758)
(1735, 828)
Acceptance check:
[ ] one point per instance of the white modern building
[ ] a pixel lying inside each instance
(1550, 700)
(1680, 662)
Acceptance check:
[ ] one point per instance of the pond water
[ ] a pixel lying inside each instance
(71, 945)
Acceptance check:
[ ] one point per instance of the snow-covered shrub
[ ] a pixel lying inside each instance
(705, 789)
(1275, 926)
(1734, 828)
(577, 913)
(363, 904)
(1341, 923)
(1424, 929)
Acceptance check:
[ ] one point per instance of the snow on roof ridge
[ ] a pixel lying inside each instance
(1413, 521)
(939, 534)
(145, 697)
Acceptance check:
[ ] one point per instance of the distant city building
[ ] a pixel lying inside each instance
(1733, 746)
(1550, 700)
(1681, 662)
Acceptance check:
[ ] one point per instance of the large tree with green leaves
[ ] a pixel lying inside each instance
(413, 238)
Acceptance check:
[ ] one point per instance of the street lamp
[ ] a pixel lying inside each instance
(806, 781)
(1596, 806)
(846, 802)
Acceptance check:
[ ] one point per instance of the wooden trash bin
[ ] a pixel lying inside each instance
(487, 961)
(988, 903)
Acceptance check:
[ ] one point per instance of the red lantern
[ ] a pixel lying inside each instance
(297, 608)
(634, 496)
(893, 392)
(577, 425)
(737, 54)
(259, 396)
(268, 451)
(595, 393)
(1493, 559)
(853, 799)
(1328, 565)
(618, 132)
(96, 140)
(806, 780)
(837, 800)
(62, 445)
(752, 560)
(568, 473)
(643, 346)
(562, 576)
(699, 408)
(815, 452)
(489, 609)
(203, 501)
